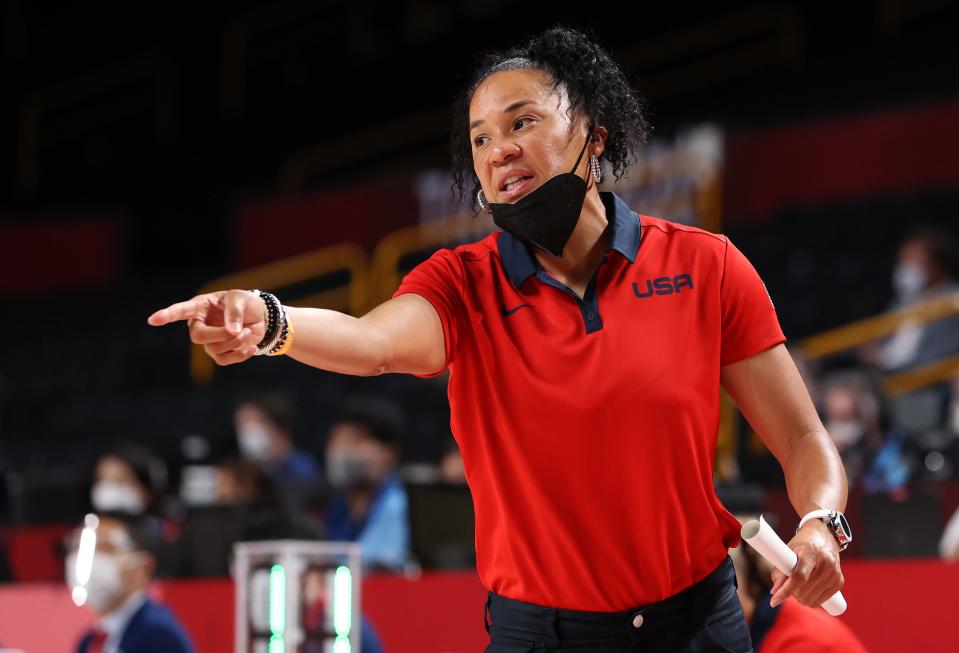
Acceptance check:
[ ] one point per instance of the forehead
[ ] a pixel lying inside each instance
(113, 467)
(501, 89)
(353, 434)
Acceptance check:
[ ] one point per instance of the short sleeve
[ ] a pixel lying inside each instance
(750, 324)
(439, 280)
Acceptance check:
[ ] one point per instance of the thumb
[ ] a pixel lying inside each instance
(236, 304)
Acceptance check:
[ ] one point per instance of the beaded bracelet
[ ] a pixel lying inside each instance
(275, 322)
(286, 341)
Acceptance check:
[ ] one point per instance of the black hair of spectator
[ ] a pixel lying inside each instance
(148, 468)
(942, 246)
(138, 529)
(277, 408)
(596, 85)
(381, 418)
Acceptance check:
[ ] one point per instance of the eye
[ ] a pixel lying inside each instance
(522, 122)
(479, 141)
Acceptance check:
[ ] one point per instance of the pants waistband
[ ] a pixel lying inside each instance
(687, 608)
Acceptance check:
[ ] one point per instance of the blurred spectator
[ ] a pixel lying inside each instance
(269, 515)
(115, 583)
(247, 505)
(370, 505)
(872, 449)
(316, 617)
(927, 266)
(264, 432)
(789, 627)
(129, 479)
(451, 464)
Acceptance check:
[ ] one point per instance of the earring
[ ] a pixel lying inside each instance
(481, 200)
(597, 170)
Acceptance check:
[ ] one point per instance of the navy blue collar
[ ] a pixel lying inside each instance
(520, 264)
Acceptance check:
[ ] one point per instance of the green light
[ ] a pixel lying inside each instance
(342, 645)
(342, 605)
(277, 605)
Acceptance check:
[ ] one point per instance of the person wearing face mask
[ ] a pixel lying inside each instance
(871, 447)
(109, 566)
(264, 432)
(129, 479)
(927, 266)
(370, 505)
(587, 345)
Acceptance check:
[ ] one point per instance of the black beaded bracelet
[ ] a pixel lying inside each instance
(274, 318)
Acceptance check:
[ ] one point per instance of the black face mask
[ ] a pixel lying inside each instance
(547, 216)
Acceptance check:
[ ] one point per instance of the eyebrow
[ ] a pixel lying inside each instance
(513, 107)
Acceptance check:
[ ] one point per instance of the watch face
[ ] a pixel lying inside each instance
(844, 525)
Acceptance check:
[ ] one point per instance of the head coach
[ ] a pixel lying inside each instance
(586, 345)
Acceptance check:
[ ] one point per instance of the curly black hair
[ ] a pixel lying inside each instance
(595, 84)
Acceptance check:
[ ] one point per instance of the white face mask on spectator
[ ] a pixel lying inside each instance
(110, 496)
(909, 279)
(105, 583)
(254, 441)
(345, 470)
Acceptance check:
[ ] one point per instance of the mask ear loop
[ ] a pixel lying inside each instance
(589, 137)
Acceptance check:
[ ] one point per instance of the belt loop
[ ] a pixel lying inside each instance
(486, 610)
(552, 632)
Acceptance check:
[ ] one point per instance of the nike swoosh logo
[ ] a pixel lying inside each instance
(510, 311)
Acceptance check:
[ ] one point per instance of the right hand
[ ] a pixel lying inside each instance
(229, 323)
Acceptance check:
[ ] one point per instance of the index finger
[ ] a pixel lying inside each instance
(175, 312)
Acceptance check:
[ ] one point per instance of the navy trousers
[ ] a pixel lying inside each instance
(704, 618)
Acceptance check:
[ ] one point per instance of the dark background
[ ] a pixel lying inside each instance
(177, 117)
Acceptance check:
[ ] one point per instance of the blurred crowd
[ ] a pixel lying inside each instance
(266, 487)
(887, 437)
(182, 518)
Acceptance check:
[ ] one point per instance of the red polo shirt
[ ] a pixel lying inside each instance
(588, 426)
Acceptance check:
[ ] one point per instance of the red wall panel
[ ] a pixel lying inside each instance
(894, 606)
(833, 160)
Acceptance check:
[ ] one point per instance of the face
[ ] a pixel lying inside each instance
(914, 252)
(116, 570)
(352, 441)
(258, 437)
(521, 134)
(112, 470)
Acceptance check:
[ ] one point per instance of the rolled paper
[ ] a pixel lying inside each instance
(764, 539)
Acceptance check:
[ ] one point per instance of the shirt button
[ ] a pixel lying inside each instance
(638, 621)
(590, 316)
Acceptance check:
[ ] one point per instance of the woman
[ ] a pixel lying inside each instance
(586, 348)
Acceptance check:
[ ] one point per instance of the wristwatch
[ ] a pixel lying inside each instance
(835, 521)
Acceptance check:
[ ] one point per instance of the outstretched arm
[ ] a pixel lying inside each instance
(403, 334)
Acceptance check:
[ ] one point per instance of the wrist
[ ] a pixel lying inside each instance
(833, 522)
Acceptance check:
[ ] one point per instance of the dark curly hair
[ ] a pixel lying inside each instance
(595, 84)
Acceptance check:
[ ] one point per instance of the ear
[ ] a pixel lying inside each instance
(597, 142)
(144, 566)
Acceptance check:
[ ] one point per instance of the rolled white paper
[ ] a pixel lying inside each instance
(763, 538)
